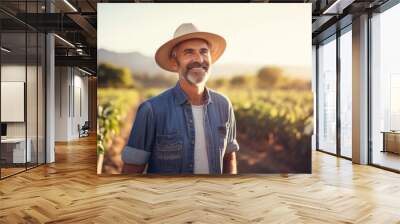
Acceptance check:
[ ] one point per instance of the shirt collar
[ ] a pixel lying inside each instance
(181, 97)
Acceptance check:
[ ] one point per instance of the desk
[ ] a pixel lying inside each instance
(391, 141)
(13, 150)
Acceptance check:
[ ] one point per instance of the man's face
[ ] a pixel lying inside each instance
(193, 61)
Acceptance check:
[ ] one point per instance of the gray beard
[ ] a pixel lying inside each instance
(192, 80)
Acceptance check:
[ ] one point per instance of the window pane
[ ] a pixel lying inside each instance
(31, 97)
(41, 98)
(327, 97)
(345, 94)
(386, 89)
(14, 153)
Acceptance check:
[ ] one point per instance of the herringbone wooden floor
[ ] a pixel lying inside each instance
(70, 192)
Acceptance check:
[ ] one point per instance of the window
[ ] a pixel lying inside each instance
(385, 89)
(327, 96)
(346, 93)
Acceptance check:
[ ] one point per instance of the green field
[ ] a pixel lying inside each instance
(275, 125)
(113, 106)
(274, 114)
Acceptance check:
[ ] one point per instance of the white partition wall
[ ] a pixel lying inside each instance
(22, 101)
(13, 146)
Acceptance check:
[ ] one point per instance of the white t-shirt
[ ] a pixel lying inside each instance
(200, 147)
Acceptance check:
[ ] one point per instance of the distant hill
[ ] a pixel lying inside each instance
(135, 61)
(138, 62)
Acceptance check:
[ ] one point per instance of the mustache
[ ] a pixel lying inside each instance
(203, 65)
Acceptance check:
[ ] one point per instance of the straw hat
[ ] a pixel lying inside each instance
(184, 32)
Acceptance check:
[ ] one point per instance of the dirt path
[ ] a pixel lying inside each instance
(258, 157)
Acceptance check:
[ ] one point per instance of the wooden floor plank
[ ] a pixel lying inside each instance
(69, 191)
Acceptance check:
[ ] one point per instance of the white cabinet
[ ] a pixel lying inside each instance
(19, 155)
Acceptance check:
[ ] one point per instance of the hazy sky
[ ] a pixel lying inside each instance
(256, 33)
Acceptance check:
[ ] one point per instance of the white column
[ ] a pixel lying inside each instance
(360, 90)
(50, 92)
(50, 108)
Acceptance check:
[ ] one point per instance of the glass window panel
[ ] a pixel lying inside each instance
(31, 97)
(22, 62)
(346, 94)
(327, 96)
(41, 98)
(385, 89)
(13, 85)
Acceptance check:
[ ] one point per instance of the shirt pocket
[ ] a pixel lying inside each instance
(168, 153)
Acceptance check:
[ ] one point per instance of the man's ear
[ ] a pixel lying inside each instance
(174, 63)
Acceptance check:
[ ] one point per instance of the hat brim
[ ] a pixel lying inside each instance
(216, 42)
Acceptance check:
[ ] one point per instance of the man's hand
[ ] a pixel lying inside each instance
(132, 168)
(230, 166)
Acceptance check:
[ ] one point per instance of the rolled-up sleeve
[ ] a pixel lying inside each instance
(232, 145)
(140, 142)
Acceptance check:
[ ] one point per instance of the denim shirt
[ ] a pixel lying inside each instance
(163, 133)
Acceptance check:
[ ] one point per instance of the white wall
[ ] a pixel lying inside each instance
(12, 73)
(80, 100)
(71, 87)
(62, 81)
(33, 127)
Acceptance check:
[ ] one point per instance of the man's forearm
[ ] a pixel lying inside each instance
(230, 164)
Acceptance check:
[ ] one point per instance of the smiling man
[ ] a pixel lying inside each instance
(188, 129)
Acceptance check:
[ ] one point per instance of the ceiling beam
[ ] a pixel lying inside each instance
(337, 6)
(84, 24)
(81, 61)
